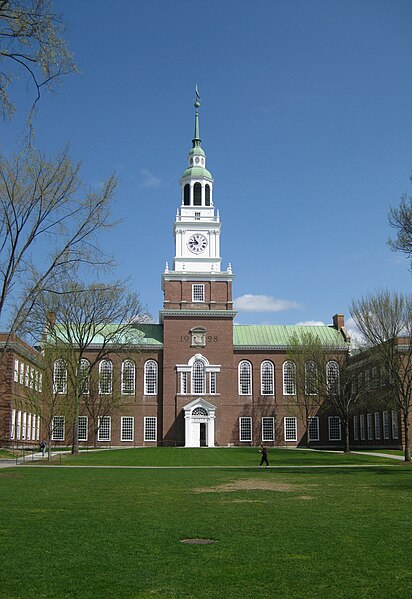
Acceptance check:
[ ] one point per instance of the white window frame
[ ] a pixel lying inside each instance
(245, 429)
(362, 429)
(268, 429)
(386, 429)
(290, 428)
(16, 371)
(105, 428)
(84, 373)
(33, 427)
(13, 424)
(198, 292)
(267, 378)
(369, 426)
(183, 382)
(38, 428)
(60, 377)
(313, 428)
(83, 428)
(18, 425)
(58, 426)
(334, 428)
(289, 377)
(28, 433)
(378, 426)
(105, 377)
(128, 377)
(23, 426)
(356, 428)
(311, 378)
(150, 429)
(213, 383)
(245, 377)
(127, 428)
(332, 377)
(151, 385)
(198, 377)
(395, 424)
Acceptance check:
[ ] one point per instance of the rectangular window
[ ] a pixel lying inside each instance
(395, 425)
(356, 428)
(31, 377)
(370, 426)
(377, 425)
(213, 383)
(362, 426)
(385, 425)
(268, 429)
(23, 425)
(105, 426)
(313, 428)
(245, 428)
(82, 433)
(18, 425)
(26, 375)
(197, 215)
(28, 434)
(150, 428)
(183, 382)
(33, 427)
(334, 428)
(290, 428)
(13, 424)
(198, 292)
(127, 428)
(16, 371)
(58, 428)
(21, 377)
(40, 382)
(38, 429)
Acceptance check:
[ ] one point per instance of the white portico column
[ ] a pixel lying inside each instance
(211, 430)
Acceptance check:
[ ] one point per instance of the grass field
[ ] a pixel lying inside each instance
(116, 533)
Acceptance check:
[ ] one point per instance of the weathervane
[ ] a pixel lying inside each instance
(197, 98)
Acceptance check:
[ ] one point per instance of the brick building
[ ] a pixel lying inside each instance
(196, 378)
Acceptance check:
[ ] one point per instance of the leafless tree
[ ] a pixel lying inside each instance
(85, 324)
(401, 219)
(48, 226)
(31, 49)
(385, 321)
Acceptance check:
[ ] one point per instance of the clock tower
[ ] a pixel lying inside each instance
(197, 313)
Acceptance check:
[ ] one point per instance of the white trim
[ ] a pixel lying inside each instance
(104, 429)
(86, 428)
(149, 429)
(290, 428)
(245, 426)
(333, 429)
(311, 420)
(127, 426)
(271, 422)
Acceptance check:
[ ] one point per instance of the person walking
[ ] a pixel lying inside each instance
(264, 460)
(43, 446)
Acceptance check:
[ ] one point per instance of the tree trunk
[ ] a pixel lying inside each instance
(407, 446)
(75, 442)
(346, 433)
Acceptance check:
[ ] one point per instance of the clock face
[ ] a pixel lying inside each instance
(197, 243)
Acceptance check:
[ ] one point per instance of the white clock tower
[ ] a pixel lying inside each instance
(197, 225)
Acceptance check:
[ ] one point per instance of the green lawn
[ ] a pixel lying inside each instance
(290, 533)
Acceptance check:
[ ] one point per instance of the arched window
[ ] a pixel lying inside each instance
(332, 377)
(186, 195)
(150, 378)
(105, 377)
(199, 412)
(60, 376)
(245, 378)
(84, 376)
(267, 382)
(207, 194)
(128, 377)
(198, 377)
(197, 197)
(289, 378)
(311, 378)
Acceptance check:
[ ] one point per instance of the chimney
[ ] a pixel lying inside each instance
(338, 321)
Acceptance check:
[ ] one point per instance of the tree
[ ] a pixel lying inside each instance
(385, 321)
(308, 361)
(86, 324)
(401, 220)
(31, 44)
(48, 227)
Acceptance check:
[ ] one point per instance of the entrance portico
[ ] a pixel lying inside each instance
(200, 423)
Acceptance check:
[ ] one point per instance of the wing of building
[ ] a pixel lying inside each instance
(196, 378)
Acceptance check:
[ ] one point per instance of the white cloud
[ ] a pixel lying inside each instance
(356, 336)
(263, 303)
(149, 179)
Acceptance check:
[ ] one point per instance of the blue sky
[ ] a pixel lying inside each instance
(306, 120)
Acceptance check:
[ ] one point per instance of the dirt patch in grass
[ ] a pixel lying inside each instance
(8, 475)
(252, 484)
(305, 497)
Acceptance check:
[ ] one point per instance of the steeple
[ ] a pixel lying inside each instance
(196, 140)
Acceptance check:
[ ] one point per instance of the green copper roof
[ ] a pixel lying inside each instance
(280, 335)
(197, 171)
